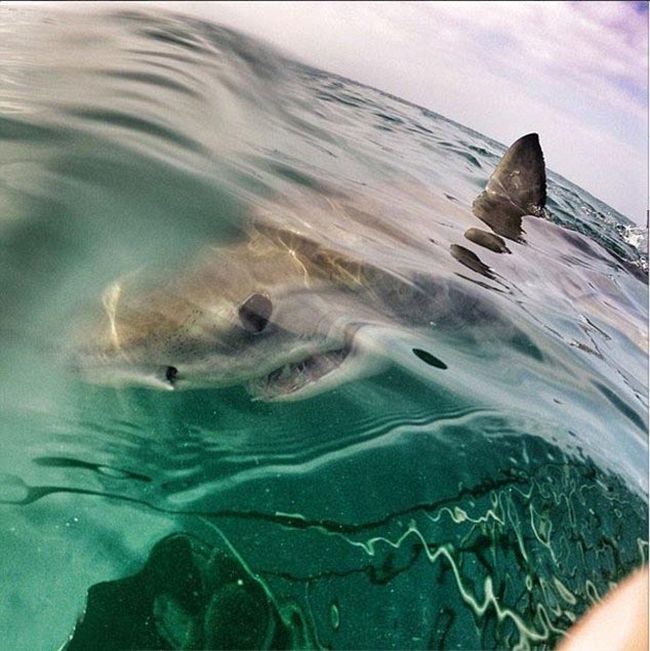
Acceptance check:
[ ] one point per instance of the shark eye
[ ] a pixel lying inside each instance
(254, 312)
(171, 373)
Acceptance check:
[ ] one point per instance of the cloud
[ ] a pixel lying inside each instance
(595, 49)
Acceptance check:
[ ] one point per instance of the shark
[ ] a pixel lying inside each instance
(288, 316)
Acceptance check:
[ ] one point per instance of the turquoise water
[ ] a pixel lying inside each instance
(478, 494)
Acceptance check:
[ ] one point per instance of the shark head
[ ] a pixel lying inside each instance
(277, 313)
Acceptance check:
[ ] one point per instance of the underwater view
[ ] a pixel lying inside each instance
(289, 362)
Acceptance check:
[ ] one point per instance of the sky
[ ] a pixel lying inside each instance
(575, 72)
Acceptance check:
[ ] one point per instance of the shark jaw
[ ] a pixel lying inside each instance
(296, 380)
(361, 356)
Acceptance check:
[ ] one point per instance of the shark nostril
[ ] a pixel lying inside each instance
(171, 373)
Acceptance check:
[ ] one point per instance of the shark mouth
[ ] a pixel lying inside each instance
(295, 378)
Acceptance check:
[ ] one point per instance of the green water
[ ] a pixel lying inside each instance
(485, 500)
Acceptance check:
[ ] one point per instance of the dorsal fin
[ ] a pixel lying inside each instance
(520, 176)
(517, 187)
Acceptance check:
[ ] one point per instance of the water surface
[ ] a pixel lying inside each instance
(471, 495)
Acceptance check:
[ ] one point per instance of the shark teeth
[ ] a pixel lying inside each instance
(295, 376)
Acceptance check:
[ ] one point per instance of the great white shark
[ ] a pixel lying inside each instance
(288, 316)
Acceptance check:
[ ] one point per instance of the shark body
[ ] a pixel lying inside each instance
(284, 314)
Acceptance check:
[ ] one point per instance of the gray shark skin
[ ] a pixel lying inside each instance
(286, 316)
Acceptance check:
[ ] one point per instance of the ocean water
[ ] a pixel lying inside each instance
(477, 493)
